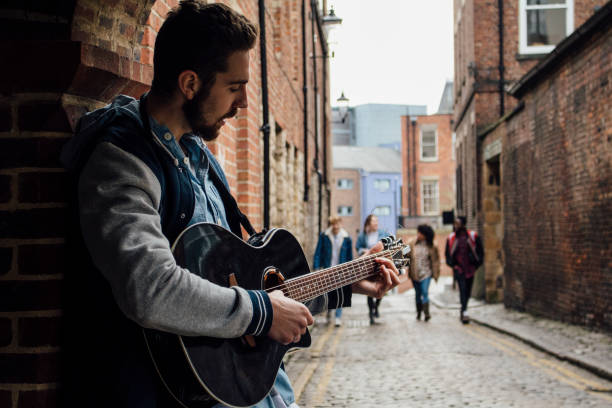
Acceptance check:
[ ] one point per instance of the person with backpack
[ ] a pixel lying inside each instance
(464, 253)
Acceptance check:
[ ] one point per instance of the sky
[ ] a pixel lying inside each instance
(391, 51)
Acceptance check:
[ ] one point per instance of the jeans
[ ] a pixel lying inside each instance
(338, 313)
(421, 290)
(465, 289)
(373, 304)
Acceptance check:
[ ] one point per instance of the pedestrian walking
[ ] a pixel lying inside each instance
(366, 240)
(333, 248)
(424, 265)
(464, 253)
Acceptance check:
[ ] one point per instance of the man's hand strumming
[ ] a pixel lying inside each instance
(387, 278)
(290, 319)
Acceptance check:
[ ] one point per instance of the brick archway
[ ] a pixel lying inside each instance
(91, 51)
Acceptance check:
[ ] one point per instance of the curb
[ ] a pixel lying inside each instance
(599, 371)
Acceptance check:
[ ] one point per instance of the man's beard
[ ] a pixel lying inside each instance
(194, 113)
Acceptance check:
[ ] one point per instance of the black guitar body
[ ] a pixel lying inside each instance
(202, 371)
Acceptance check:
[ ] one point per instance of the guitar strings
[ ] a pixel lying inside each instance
(326, 280)
(319, 282)
(326, 272)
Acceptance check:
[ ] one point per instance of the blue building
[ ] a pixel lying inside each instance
(379, 183)
(372, 124)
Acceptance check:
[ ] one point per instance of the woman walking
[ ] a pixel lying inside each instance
(366, 240)
(424, 265)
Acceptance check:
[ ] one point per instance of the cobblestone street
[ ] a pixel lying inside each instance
(402, 362)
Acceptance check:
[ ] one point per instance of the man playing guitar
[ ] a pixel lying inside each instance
(142, 175)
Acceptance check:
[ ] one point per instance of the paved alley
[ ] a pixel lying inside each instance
(402, 362)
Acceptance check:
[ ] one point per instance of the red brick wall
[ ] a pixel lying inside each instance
(476, 80)
(443, 168)
(351, 223)
(406, 130)
(556, 183)
(104, 48)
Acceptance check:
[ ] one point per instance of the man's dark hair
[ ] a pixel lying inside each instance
(198, 37)
(463, 220)
(427, 232)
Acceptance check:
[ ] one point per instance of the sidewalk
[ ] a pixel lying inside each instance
(587, 349)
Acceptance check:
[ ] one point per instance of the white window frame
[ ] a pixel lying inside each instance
(428, 128)
(349, 184)
(542, 49)
(348, 213)
(376, 184)
(429, 180)
(376, 211)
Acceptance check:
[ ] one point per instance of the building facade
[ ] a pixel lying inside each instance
(372, 124)
(377, 190)
(522, 147)
(346, 199)
(428, 165)
(555, 163)
(62, 60)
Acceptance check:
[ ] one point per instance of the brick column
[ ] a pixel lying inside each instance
(47, 87)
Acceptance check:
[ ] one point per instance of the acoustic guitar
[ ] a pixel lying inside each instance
(200, 372)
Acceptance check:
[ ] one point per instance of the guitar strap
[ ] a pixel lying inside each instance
(230, 202)
(231, 207)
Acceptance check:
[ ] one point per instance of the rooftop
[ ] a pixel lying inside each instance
(370, 159)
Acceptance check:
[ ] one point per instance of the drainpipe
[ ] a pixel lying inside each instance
(325, 51)
(500, 29)
(408, 184)
(413, 209)
(313, 11)
(305, 91)
(266, 113)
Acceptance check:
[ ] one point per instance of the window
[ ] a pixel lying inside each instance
(382, 210)
(429, 144)
(429, 194)
(543, 24)
(345, 184)
(382, 185)
(345, 210)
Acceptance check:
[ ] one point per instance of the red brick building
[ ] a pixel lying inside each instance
(533, 152)
(346, 200)
(62, 59)
(428, 165)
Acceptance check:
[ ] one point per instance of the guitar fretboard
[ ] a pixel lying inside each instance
(317, 283)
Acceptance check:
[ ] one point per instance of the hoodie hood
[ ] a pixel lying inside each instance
(88, 129)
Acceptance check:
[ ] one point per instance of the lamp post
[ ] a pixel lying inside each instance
(330, 21)
(343, 105)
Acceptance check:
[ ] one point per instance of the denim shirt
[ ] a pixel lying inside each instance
(208, 204)
(209, 208)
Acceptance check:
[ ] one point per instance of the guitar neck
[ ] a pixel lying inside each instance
(312, 285)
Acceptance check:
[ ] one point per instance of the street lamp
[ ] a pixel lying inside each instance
(330, 21)
(343, 105)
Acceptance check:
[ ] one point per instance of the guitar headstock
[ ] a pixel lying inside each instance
(400, 251)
